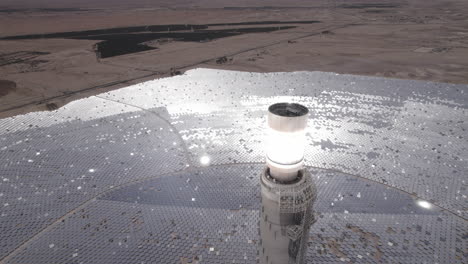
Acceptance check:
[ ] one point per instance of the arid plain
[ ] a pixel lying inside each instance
(52, 52)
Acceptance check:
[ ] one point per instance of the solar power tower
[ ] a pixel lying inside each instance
(287, 189)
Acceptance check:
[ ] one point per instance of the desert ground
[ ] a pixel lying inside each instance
(52, 52)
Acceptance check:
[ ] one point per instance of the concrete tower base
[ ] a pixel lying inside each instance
(285, 218)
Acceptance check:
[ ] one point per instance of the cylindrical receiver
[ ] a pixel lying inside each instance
(286, 140)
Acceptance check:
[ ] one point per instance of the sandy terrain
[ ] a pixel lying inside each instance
(412, 39)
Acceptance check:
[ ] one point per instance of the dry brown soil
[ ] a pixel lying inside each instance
(409, 39)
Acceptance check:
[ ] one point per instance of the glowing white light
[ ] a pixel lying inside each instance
(286, 140)
(285, 147)
(91, 170)
(205, 160)
(424, 204)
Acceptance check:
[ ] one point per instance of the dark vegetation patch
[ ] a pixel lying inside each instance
(19, 56)
(264, 7)
(265, 23)
(31, 10)
(127, 40)
(89, 34)
(121, 44)
(112, 48)
(175, 72)
(6, 87)
(52, 106)
(223, 60)
(149, 28)
(441, 49)
(370, 5)
(377, 11)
